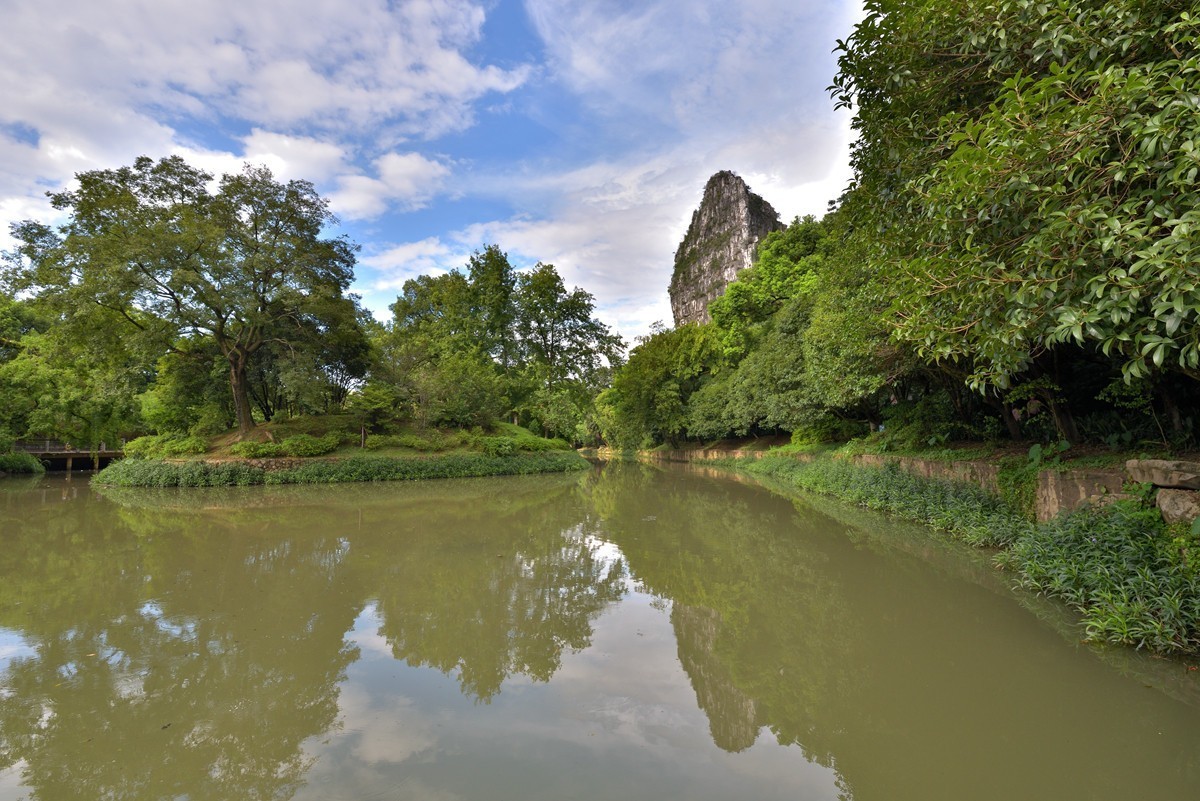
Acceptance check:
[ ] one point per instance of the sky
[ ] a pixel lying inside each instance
(578, 133)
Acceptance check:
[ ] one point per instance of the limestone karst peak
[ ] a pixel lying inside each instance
(720, 242)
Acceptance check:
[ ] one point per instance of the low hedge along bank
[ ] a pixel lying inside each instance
(152, 473)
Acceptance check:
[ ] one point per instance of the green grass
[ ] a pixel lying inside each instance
(1132, 582)
(152, 473)
(966, 511)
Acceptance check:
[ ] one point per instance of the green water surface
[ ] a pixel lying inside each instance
(638, 632)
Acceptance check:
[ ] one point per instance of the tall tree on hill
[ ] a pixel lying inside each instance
(153, 250)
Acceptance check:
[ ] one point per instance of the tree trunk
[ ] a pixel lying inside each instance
(1011, 422)
(1171, 407)
(1064, 421)
(241, 397)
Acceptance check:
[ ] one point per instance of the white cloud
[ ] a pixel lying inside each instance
(613, 227)
(710, 63)
(348, 98)
(404, 180)
(394, 265)
(89, 85)
(271, 62)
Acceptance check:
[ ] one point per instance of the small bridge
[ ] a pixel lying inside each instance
(62, 456)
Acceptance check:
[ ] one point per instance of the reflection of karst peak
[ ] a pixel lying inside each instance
(732, 714)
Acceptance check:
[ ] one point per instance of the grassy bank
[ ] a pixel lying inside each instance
(159, 473)
(1134, 580)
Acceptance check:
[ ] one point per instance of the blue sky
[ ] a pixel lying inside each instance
(574, 132)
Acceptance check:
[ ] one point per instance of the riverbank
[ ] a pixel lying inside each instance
(246, 472)
(1133, 579)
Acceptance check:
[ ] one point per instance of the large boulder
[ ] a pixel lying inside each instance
(1179, 506)
(1165, 473)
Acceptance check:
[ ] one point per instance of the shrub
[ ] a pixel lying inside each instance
(497, 446)
(165, 445)
(257, 450)
(308, 445)
(432, 440)
(154, 473)
(20, 463)
(1119, 568)
(150, 473)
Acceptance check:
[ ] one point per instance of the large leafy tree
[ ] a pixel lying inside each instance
(467, 346)
(556, 329)
(1032, 167)
(152, 249)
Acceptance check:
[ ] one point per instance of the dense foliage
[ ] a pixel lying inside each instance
(175, 305)
(154, 473)
(1015, 257)
(466, 348)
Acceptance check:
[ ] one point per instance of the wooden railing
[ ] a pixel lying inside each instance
(53, 447)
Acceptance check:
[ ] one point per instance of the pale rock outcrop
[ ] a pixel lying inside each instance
(720, 242)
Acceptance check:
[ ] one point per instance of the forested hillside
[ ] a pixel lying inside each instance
(1017, 256)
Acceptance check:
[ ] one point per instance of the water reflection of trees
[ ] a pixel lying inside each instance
(841, 640)
(153, 674)
(189, 649)
(751, 610)
(492, 588)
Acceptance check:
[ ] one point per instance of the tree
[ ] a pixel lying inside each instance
(493, 285)
(556, 329)
(1032, 168)
(648, 400)
(152, 250)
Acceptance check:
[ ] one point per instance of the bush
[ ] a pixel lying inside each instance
(163, 446)
(1118, 567)
(149, 473)
(497, 446)
(257, 450)
(308, 445)
(432, 440)
(20, 463)
(154, 473)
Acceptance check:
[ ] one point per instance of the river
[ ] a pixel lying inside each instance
(636, 632)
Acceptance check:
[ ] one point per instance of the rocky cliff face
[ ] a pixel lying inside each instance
(719, 243)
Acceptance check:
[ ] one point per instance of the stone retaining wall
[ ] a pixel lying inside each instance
(1177, 482)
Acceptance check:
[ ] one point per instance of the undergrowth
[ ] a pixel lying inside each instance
(301, 445)
(968, 512)
(162, 446)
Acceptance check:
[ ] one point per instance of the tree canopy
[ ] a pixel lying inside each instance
(153, 251)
